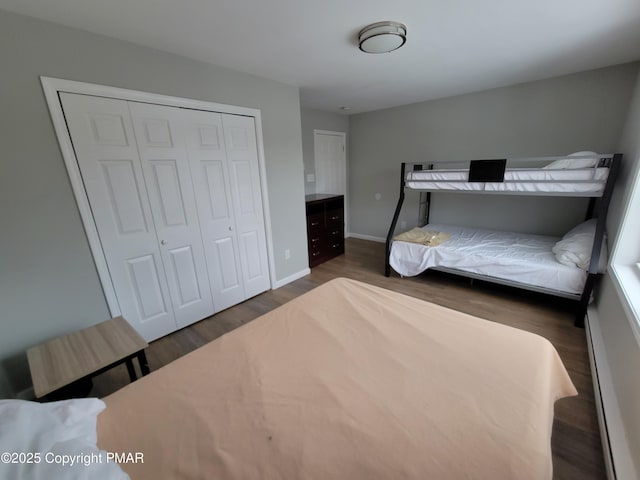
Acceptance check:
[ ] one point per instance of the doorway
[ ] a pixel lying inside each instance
(331, 165)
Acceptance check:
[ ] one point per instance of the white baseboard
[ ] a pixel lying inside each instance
(367, 237)
(617, 456)
(291, 278)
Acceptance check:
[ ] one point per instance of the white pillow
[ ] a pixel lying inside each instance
(591, 160)
(574, 250)
(51, 429)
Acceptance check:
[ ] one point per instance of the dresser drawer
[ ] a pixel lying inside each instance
(335, 217)
(335, 246)
(315, 240)
(335, 232)
(315, 222)
(315, 254)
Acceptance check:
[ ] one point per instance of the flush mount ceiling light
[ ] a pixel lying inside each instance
(382, 37)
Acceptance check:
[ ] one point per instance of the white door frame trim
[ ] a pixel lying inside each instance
(346, 172)
(52, 86)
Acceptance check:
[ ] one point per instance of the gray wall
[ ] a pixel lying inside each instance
(584, 111)
(48, 282)
(318, 120)
(622, 349)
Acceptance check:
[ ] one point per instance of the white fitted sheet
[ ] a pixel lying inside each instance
(517, 257)
(580, 181)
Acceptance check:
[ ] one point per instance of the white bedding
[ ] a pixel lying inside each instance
(578, 181)
(517, 257)
(55, 440)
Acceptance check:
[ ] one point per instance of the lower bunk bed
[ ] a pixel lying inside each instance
(552, 265)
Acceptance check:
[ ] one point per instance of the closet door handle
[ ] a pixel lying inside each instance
(230, 228)
(163, 242)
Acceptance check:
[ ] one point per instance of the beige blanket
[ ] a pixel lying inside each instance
(348, 381)
(423, 237)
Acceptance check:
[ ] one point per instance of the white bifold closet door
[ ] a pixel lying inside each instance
(224, 161)
(165, 166)
(157, 195)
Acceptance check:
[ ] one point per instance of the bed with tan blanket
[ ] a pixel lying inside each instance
(349, 381)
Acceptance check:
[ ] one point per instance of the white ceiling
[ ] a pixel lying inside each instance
(453, 46)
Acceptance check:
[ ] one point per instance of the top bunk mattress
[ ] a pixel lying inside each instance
(516, 257)
(587, 182)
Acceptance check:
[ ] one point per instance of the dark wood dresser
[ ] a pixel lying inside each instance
(325, 227)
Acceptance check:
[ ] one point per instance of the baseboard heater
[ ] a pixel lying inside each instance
(602, 418)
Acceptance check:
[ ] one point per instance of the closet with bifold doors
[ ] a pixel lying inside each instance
(175, 195)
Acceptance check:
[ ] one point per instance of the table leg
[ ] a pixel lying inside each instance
(144, 365)
(131, 370)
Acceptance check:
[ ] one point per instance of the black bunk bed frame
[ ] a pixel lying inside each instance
(597, 208)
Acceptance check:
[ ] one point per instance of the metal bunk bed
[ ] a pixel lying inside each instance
(596, 184)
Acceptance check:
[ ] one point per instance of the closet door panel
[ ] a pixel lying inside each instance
(207, 156)
(242, 152)
(145, 284)
(184, 269)
(217, 190)
(251, 251)
(124, 195)
(225, 254)
(104, 143)
(166, 182)
(162, 148)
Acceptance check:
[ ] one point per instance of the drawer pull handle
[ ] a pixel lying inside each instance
(313, 224)
(313, 240)
(315, 254)
(335, 217)
(335, 245)
(335, 232)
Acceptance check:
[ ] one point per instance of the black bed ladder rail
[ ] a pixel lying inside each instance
(605, 162)
(392, 227)
(603, 207)
(423, 201)
(396, 214)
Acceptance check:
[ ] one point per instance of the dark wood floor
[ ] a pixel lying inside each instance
(577, 452)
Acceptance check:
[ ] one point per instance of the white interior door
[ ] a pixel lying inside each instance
(208, 159)
(244, 178)
(105, 147)
(331, 164)
(162, 147)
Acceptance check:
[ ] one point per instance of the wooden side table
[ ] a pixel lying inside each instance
(85, 354)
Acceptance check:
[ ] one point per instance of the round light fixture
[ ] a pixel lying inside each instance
(382, 37)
